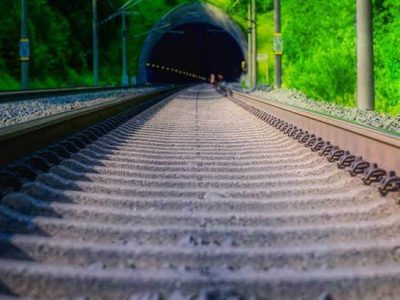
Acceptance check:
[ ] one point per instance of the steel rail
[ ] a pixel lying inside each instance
(12, 96)
(359, 149)
(197, 191)
(20, 140)
(373, 145)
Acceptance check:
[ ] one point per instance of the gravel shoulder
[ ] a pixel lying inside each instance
(354, 115)
(27, 110)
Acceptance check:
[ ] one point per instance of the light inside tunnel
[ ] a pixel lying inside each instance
(197, 48)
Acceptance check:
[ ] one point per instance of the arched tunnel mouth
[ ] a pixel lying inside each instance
(194, 48)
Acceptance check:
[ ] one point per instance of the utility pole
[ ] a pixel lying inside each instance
(249, 45)
(125, 78)
(24, 49)
(278, 44)
(95, 45)
(365, 56)
(254, 42)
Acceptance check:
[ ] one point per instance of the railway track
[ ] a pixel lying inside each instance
(12, 96)
(20, 140)
(196, 198)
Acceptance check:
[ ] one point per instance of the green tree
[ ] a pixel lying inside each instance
(319, 41)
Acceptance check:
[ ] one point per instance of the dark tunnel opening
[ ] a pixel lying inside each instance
(197, 48)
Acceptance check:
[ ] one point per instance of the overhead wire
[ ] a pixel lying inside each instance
(123, 8)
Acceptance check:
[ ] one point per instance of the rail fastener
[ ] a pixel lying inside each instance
(32, 148)
(310, 130)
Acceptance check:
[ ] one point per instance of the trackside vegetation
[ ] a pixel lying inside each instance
(319, 44)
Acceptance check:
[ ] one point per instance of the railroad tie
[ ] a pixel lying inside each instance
(198, 198)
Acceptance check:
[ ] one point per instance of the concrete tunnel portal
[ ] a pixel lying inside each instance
(197, 38)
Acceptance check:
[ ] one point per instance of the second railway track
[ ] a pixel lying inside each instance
(195, 198)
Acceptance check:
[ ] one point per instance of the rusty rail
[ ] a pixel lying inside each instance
(20, 140)
(360, 149)
(12, 96)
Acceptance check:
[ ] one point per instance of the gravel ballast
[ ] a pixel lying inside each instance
(27, 110)
(197, 198)
(299, 100)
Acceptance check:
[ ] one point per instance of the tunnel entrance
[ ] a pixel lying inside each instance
(195, 39)
(199, 49)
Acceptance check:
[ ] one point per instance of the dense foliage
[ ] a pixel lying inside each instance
(320, 57)
(319, 39)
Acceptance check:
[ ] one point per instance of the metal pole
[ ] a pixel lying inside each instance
(365, 56)
(249, 45)
(254, 42)
(95, 45)
(278, 39)
(125, 78)
(24, 46)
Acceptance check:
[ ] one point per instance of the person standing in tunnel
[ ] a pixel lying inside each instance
(218, 81)
(212, 79)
